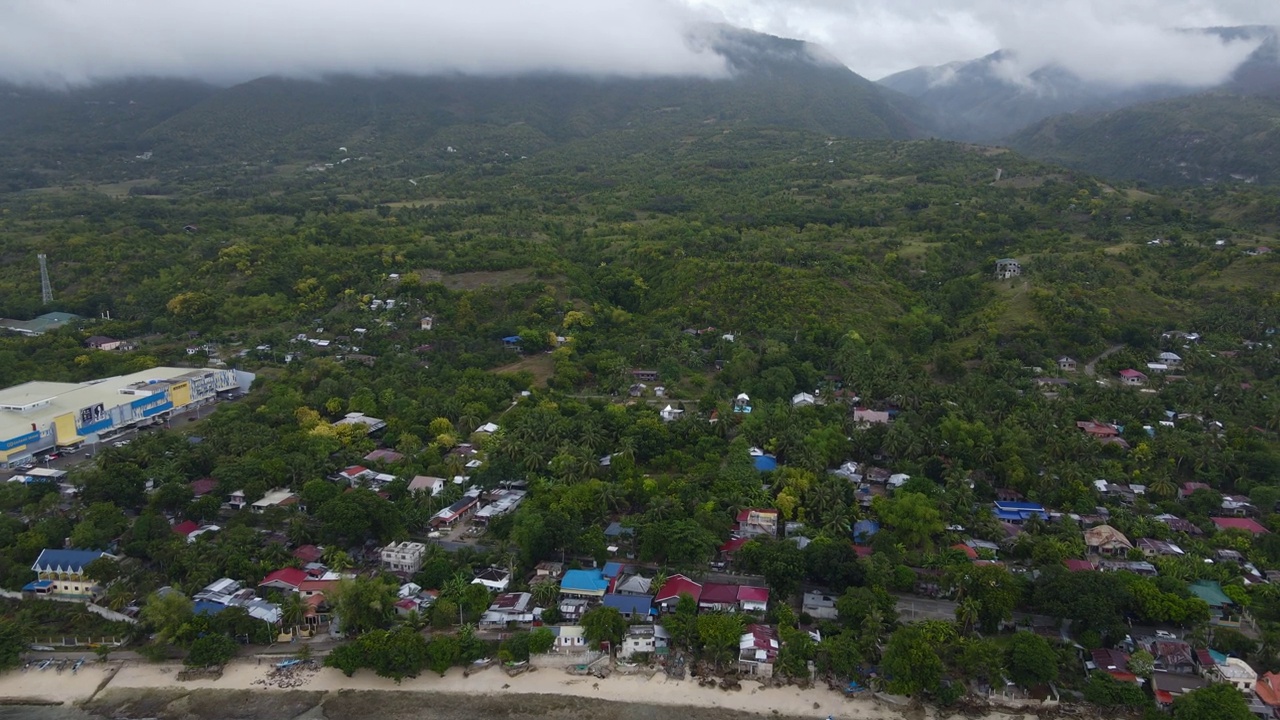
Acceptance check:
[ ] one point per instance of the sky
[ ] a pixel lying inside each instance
(1124, 42)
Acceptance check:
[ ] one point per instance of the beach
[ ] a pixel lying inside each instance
(132, 689)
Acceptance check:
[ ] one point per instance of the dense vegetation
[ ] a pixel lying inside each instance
(754, 260)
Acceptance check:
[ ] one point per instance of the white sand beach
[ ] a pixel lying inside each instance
(47, 686)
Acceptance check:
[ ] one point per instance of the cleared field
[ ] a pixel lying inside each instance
(478, 279)
(541, 366)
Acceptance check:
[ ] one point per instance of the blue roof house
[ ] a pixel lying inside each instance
(61, 573)
(864, 529)
(584, 584)
(631, 607)
(1018, 513)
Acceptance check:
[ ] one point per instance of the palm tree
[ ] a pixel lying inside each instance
(546, 593)
(414, 620)
(660, 578)
(455, 586)
(337, 559)
(967, 613)
(293, 611)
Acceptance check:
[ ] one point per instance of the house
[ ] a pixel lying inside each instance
(184, 529)
(426, 322)
(1018, 513)
(1238, 506)
(516, 607)
(803, 400)
(670, 414)
(584, 584)
(202, 487)
(729, 549)
(1173, 656)
(1234, 523)
(488, 428)
(284, 579)
(645, 376)
(511, 342)
(403, 557)
(1113, 662)
(1268, 691)
(1106, 540)
(669, 594)
(1137, 567)
(631, 607)
(384, 455)
(864, 530)
(752, 598)
(1188, 489)
(1159, 548)
(1074, 565)
(569, 639)
(236, 500)
(1178, 524)
(742, 404)
(495, 579)
(1168, 685)
(61, 573)
(1007, 268)
(1237, 672)
(102, 342)
(500, 502)
(633, 585)
(1222, 609)
(644, 639)
(427, 484)
(275, 498)
(819, 606)
(1066, 364)
(758, 650)
(1097, 429)
(718, 597)
(460, 510)
(371, 425)
(864, 418)
(308, 553)
(1130, 376)
(1169, 359)
(755, 522)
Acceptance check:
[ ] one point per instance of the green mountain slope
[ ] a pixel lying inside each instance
(774, 82)
(1215, 137)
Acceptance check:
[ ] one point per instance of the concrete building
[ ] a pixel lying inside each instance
(42, 416)
(60, 573)
(1008, 268)
(403, 557)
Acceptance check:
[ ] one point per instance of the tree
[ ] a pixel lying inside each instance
(210, 650)
(1142, 663)
(604, 624)
(12, 643)
(911, 662)
(1219, 701)
(780, 562)
(995, 589)
(1105, 691)
(363, 604)
(719, 634)
(541, 640)
(1032, 660)
(913, 518)
(167, 614)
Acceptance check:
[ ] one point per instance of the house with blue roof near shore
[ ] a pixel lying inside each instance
(61, 573)
(584, 584)
(631, 607)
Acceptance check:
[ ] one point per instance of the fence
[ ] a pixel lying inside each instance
(107, 613)
(75, 641)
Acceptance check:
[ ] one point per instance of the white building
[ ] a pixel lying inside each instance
(403, 557)
(802, 400)
(670, 414)
(643, 639)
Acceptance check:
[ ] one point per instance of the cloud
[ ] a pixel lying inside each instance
(1122, 42)
(1125, 42)
(71, 42)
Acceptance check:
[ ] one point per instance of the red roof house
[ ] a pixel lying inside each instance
(968, 551)
(1132, 377)
(862, 551)
(186, 528)
(1190, 487)
(1247, 524)
(1078, 565)
(308, 553)
(733, 546)
(718, 596)
(284, 579)
(752, 599)
(675, 586)
(203, 486)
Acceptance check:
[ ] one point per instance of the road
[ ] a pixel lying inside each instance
(1091, 367)
(912, 608)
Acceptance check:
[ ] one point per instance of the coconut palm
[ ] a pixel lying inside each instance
(337, 559)
(293, 611)
(967, 613)
(545, 594)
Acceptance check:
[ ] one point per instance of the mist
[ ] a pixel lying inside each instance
(63, 43)
(76, 42)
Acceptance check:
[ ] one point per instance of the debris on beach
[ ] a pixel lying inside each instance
(289, 674)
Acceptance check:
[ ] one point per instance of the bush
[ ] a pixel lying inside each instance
(210, 650)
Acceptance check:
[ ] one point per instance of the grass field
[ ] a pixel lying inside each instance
(541, 366)
(478, 279)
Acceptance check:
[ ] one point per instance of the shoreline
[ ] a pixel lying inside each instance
(138, 689)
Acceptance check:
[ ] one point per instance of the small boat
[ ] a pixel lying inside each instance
(76, 668)
(45, 665)
(287, 664)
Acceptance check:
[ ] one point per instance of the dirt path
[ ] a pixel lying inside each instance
(1090, 367)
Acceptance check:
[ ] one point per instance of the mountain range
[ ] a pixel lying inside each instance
(158, 128)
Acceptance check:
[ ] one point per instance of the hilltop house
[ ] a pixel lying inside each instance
(1007, 268)
(1066, 364)
(1106, 540)
(1132, 377)
(403, 557)
(754, 522)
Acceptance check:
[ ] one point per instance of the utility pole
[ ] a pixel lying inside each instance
(46, 289)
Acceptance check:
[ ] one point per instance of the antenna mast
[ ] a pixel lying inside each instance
(46, 289)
